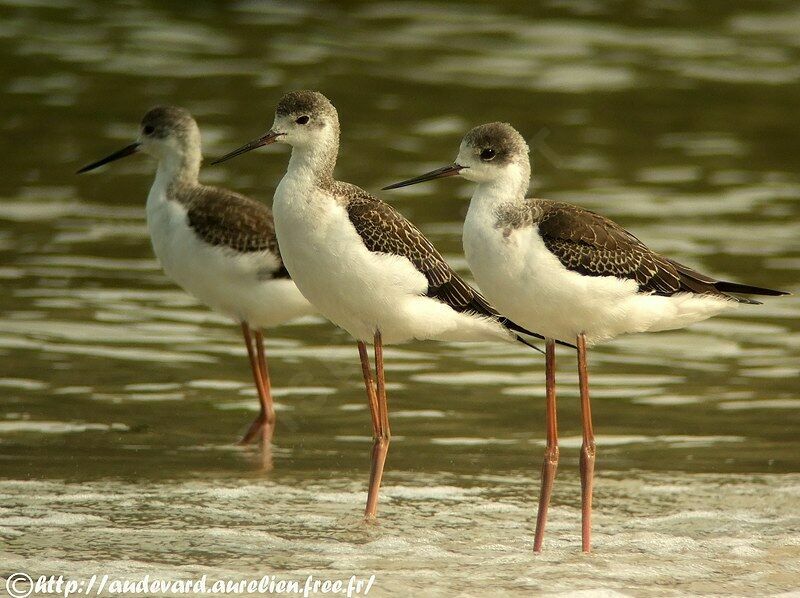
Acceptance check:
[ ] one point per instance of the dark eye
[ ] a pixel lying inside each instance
(487, 154)
(149, 130)
(302, 120)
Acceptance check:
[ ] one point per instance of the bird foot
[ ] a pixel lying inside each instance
(261, 429)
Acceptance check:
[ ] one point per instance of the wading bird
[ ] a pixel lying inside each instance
(218, 245)
(570, 274)
(361, 263)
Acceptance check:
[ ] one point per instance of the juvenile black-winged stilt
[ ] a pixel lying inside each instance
(218, 245)
(570, 274)
(361, 263)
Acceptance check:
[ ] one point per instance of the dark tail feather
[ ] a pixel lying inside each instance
(511, 325)
(519, 330)
(746, 289)
(479, 305)
(514, 327)
(527, 344)
(700, 283)
(535, 348)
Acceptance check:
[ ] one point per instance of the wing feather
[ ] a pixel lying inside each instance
(384, 230)
(593, 245)
(226, 219)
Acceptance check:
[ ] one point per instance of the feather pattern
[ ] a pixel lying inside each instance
(592, 245)
(384, 230)
(227, 219)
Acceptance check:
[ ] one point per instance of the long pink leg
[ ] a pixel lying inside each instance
(268, 407)
(369, 383)
(550, 464)
(588, 448)
(380, 422)
(264, 422)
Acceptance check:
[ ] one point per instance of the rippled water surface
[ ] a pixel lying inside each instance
(121, 398)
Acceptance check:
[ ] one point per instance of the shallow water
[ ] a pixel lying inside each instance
(442, 534)
(121, 397)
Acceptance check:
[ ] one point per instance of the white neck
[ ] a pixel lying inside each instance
(315, 161)
(512, 187)
(179, 167)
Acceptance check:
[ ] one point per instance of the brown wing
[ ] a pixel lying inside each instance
(384, 230)
(593, 245)
(224, 218)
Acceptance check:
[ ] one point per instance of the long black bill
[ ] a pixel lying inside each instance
(451, 170)
(125, 151)
(247, 147)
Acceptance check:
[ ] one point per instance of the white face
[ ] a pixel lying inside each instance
(152, 145)
(300, 130)
(161, 143)
(480, 165)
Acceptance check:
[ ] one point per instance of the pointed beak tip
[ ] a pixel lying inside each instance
(125, 151)
(445, 171)
(267, 139)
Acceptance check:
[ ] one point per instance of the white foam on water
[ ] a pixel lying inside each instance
(574, 442)
(138, 396)
(149, 387)
(694, 534)
(567, 390)
(668, 400)
(468, 378)
(22, 383)
(431, 492)
(284, 391)
(250, 406)
(53, 520)
(56, 427)
(419, 413)
(215, 384)
(461, 441)
(771, 372)
(442, 125)
(759, 404)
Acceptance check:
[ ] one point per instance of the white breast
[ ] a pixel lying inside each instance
(229, 282)
(526, 282)
(357, 289)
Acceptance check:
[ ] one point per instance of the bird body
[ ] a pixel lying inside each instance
(245, 284)
(563, 270)
(506, 247)
(361, 263)
(358, 289)
(569, 274)
(216, 244)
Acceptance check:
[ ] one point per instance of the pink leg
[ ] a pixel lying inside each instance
(550, 464)
(369, 383)
(264, 423)
(380, 422)
(267, 405)
(588, 448)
